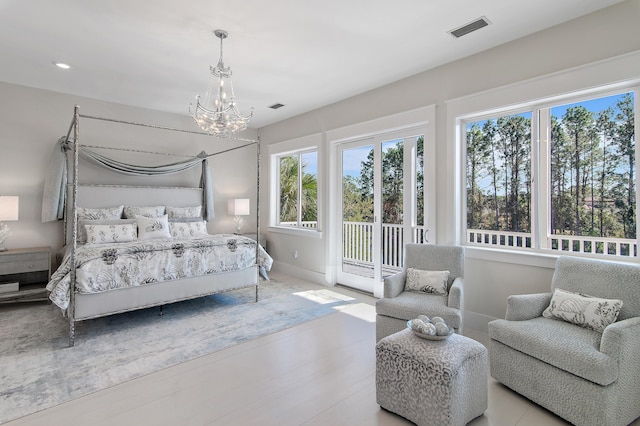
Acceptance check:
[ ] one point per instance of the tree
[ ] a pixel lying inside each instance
(392, 181)
(605, 128)
(577, 122)
(477, 154)
(355, 207)
(289, 191)
(515, 136)
(625, 142)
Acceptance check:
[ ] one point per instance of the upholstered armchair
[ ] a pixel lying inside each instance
(557, 350)
(400, 305)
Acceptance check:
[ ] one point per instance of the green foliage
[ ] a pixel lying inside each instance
(592, 172)
(289, 191)
(358, 191)
(499, 174)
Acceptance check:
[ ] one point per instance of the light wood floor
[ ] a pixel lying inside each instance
(318, 373)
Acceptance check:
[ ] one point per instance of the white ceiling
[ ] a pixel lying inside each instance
(302, 53)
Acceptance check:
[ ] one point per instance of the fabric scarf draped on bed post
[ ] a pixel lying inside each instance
(53, 199)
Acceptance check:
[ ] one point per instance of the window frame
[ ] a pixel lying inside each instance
(541, 214)
(298, 155)
(300, 146)
(613, 72)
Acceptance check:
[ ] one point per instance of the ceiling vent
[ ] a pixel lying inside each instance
(470, 27)
(276, 106)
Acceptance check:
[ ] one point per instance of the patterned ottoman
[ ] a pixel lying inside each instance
(432, 382)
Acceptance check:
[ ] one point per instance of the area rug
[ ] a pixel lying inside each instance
(38, 370)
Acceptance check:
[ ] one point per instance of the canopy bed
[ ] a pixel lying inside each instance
(133, 247)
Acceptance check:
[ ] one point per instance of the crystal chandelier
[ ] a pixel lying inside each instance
(218, 115)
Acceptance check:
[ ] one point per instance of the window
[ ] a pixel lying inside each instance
(573, 191)
(298, 190)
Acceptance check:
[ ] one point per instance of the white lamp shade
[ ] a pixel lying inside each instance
(239, 206)
(8, 207)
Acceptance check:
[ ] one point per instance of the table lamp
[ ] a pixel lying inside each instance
(239, 207)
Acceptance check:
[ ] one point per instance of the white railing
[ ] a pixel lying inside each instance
(558, 243)
(498, 238)
(594, 245)
(357, 243)
(304, 224)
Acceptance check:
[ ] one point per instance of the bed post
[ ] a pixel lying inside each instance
(258, 242)
(72, 283)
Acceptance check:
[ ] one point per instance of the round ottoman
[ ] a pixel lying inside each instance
(432, 382)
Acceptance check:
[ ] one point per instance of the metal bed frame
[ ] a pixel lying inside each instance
(74, 129)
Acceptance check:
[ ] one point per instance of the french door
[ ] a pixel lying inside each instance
(381, 206)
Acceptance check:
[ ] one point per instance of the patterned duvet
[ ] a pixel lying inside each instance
(103, 267)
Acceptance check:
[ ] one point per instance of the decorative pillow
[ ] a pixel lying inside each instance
(100, 214)
(432, 282)
(181, 212)
(152, 228)
(188, 229)
(82, 231)
(584, 310)
(103, 234)
(153, 211)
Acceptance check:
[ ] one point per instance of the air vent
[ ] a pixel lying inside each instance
(470, 27)
(276, 106)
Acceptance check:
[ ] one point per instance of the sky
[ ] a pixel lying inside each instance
(594, 105)
(311, 161)
(352, 158)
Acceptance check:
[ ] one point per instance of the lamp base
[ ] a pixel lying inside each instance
(4, 235)
(238, 220)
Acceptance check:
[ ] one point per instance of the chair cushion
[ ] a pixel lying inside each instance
(564, 345)
(409, 305)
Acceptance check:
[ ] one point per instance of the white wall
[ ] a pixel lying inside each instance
(32, 120)
(589, 39)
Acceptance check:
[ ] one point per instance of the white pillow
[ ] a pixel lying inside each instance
(153, 211)
(432, 282)
(181, 212)
(152, 228)
(104, 234)
(188, 229)
(82, 230)
(100, 214)
(583, 310)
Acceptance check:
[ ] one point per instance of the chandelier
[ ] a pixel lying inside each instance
(218, 115)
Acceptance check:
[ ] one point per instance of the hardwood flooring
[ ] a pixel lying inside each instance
(318, 373)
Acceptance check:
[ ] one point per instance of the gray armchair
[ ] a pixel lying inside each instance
(398, 306)
(582, 375)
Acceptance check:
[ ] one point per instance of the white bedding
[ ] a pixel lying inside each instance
(104, 267)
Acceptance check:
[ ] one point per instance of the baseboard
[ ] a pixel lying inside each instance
(305, 274)
(477, 321)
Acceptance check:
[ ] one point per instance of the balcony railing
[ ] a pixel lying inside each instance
(304, 224)
(357, 243)
(558, 243)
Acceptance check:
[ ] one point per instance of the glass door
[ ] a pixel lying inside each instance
(358, 236)
(381, 193)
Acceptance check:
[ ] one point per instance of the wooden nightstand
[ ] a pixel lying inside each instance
(30, 268)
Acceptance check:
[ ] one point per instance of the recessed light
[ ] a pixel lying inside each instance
(62, 65)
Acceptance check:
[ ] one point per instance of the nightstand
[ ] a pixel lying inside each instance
(24, 274)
